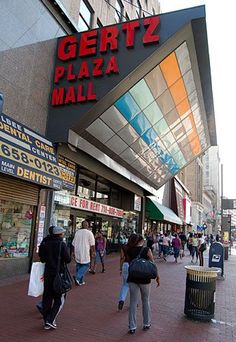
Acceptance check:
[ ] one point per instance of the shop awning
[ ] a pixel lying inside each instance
(159, 212)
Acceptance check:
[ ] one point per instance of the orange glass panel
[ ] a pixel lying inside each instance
(170, 69)
(183, 107)
(178, 91)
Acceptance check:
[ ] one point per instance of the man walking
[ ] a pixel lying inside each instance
(84, 245)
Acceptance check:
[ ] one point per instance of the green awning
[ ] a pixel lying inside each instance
(156, 211)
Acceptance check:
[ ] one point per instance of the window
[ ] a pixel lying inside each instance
(119, 11)
(139, 10)
(15, 229)
(85, 17)
(99, 24)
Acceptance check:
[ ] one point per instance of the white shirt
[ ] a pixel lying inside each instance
(82, 242)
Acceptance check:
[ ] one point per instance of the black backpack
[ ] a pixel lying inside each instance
(140, 268)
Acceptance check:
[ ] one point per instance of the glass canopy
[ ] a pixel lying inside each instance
(157, 126)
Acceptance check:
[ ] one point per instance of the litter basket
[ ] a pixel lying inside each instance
(200, 292)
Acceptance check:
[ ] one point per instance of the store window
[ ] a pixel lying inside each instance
(15, 229)
(85, 16)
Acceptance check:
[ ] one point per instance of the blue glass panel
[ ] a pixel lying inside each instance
(127, 106)
(150, 136)
(140, 123)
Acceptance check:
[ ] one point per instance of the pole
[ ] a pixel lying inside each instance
(221, 196)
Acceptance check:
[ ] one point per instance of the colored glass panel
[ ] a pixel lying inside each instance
(142, 94)
(127, 106)
(170, 69)
(140, 123)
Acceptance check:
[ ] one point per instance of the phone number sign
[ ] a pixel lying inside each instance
(27, 155)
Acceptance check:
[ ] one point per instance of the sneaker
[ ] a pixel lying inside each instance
(47, 327)
(82, 283)
(120, 305)
(132, 331)
(76, 281)
(92, 272)
(146, 327)
(51, 325)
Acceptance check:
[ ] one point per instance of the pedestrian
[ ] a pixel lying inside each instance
(201, 248)
(124, 268)
(140, 285)
(49, 254)
(100, 246)
(190, 243)
(39, 306)
(166, 245)
(176, 244)
(83, 244)
(195, 248)
(150, 240)
(183, 239)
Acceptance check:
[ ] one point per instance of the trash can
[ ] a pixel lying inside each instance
(226, 252)
(200, 292)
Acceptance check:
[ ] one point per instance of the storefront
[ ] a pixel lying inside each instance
(107, 207)
(28, 164)
(160, 219)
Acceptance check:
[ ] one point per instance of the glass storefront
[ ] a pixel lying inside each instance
(15, 229)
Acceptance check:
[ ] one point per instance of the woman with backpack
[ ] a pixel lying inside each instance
(141, 285)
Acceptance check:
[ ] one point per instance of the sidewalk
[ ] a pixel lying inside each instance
(90, 312)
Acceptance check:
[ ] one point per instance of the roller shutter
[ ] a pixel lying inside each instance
(13, 189)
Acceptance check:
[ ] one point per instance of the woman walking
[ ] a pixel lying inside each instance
(100, 246)
(176, 244)
(137, 285)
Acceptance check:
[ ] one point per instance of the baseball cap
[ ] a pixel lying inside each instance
(58, 230)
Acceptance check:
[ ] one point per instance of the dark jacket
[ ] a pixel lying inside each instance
(49, 253)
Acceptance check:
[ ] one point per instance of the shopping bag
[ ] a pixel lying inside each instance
(36, 279)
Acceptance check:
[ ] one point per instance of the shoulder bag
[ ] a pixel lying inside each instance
(140, 268)
(62, 282)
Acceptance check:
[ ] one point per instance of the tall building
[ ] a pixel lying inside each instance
(96, 121)
(211, 188)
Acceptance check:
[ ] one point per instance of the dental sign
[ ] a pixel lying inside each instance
(90, 55)
(27, 155)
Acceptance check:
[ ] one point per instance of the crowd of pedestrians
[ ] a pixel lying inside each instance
(89, 252)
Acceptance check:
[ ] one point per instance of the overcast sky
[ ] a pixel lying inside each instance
(221, 18)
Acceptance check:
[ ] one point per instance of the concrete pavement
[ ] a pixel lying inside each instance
(90, 313)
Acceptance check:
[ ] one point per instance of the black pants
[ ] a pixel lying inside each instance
(52, 302)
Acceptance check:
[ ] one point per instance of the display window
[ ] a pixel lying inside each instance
(15, 229)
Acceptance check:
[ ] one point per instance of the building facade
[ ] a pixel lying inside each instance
(126, 107)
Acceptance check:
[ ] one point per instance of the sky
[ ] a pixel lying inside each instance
(220, 17)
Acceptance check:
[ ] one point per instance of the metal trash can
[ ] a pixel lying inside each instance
(200, 292)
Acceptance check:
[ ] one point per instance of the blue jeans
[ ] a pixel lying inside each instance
(81, 269)
(125, 286)
(145, 293)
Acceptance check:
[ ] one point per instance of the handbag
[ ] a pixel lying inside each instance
(140, 268)
(62, 282)
(202, 247)
(36, 282)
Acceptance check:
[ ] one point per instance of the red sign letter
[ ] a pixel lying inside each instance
(112, 66)
(152, 24)
(88, 46)
(59, 73)
(57, 96)
(130, 31)
(109, 36)
(67, 48)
